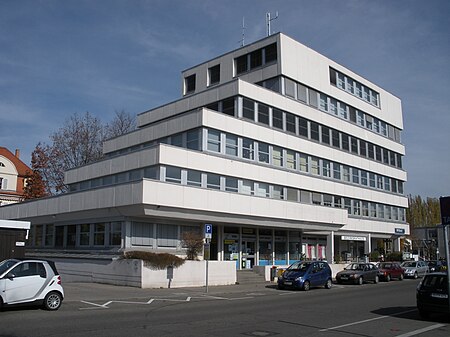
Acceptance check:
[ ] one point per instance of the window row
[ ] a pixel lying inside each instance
(255, 59)
(261, 189)
(326, 103)
(353, 87)
(159, 235)
(102, 234)
(246, 148)
(279, 119)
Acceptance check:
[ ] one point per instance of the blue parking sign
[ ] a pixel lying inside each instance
(208, 231)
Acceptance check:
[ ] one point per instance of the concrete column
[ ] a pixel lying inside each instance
(368, 244)
(396, 243)
(126, 234)
(330, 247)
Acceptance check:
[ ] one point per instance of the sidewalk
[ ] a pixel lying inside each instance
(78, 291)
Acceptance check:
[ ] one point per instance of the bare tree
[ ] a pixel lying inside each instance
(122, 123)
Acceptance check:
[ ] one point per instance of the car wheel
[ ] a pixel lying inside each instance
(52, 301)
(388, 278)
(306, 286)
(415, 275)
(377, 279)
(401, 277)
(329, 284)
(360, 280)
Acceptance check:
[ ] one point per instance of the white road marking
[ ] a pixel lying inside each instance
(365, 321)
(419, 331)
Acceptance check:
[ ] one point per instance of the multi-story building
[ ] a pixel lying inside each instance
(13, 175)
(283, 151)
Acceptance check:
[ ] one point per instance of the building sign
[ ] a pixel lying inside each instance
(353, 238)
(208, 231)
(445, 210)
(399, 231)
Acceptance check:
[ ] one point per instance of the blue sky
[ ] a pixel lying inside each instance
(58, 58)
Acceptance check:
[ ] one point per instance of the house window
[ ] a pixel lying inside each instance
(263, 153)
(315, 169)
(290, 123)
(263, 114)
(189, 83)
(228, 106)
(326, 168)
(167, 235)
(270, 53)
(292, 194)
(262, 190)
(355, 173)
(346, 173)
(115, 233)
(214, 140)
(337, 171)
(248, 148)
(193, 140)
(277, 119)
(194, 178)
(256, 59)
(277, 156)
(278, 192)
(213, 181)
(247, 187)
(289, 87)
(231, 184)
(85, 234)
(325, 135)
(302, 93)
(314, 131)
(335, 139)
(99, 234)
(231, 145)
(248, 109)
(303, 162)
(214, 74)
(290, 160)
(241, 64)
(173, 174)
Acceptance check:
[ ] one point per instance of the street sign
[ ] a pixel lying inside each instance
(445, 210)
(208, 231)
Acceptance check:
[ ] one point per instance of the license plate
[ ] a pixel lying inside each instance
(439, 295)
(288, 283)
(344, 277)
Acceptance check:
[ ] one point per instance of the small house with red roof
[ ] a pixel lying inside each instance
(13, 176)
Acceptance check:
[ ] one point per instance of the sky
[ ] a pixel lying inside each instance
(58, 58)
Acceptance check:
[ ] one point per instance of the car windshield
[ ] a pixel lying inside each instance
(409, 264)
(301, 266)
(385, 266)
(6, 264)
(355, 266)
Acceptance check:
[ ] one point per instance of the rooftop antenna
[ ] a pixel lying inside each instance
(268, 20)
(243, 32)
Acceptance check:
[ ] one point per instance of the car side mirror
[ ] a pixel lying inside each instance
(10, 275)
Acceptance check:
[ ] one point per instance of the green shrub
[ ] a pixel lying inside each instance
(395, 256)
(155, 261)
(374, 256)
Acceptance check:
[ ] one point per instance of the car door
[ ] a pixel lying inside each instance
(314, 274)
(24, 282)
(423, 268)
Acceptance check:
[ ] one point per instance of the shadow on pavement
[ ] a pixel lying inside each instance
(411, 313)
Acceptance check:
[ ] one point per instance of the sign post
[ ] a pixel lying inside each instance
(206, 248)
(445, 215)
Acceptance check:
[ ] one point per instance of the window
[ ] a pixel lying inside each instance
(167, 235)
(231, 184)
(277, 192)
(290, 123)
(277, 119)
(323, 104)
(337, 171)
(248, 109)
(387, 184)
(303, 162)
(305, 197)
(314, 131)
(346, 173)
(370, 151)
(173, 174)
(348, 205)
(115, 233)
(247, 187)
(289, 87)
(337, 201)
(325, 135)
(213, 181)
(263, 114)
(303, 127)
(315, 165)
(262, 190)
(214, 74)
(327, 200)
(380, 209)
(354, 145)
(392, 158)
(342, 110)
(301, 93)
(241, 64)
(189, 83)
(194, 178)
(213, 140)
(150, 172)
(256, 59)
(231, 145)
(379, 182)
(248, 148)
(364, 177)
(372, 181)
(271, 52)
(326, 168)
(333, 106)
(292, 194)
(373, 210)
(345, 143)
(277, 156)
(99, 234)
(85, 234)
(365, 208)
(49, 235)
(263, 153)
(313, 98)
(335, 138)
(355, 174)
(362, 148)
(228, 106)
(193, 140)
(290, 160)
(356, 207)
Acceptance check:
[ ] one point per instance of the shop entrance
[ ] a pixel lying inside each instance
(248, 253)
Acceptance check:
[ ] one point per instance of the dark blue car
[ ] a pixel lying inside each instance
(306, 274)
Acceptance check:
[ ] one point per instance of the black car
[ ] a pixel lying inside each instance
(432, 294)
(438, 265)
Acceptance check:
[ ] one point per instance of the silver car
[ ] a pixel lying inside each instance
(415, 269)
(30, 281)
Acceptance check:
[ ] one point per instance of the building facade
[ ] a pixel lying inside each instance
(286, 154)
(13, 176)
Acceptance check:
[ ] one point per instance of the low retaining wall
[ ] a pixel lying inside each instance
(135, 273)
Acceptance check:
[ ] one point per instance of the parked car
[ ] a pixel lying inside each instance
(389, 270)
(437, 265)
(306, 274)
(432, 294)
(414, 268)
(30, 281)
(358, 273)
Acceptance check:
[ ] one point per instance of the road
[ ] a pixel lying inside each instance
(384, 309)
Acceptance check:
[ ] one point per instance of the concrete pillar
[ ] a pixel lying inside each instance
(368, 244)
(330, 247)
(396, 243)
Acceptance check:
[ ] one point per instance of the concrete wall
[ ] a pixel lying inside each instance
(135, 273)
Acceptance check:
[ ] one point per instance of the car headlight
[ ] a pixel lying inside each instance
(299, 279)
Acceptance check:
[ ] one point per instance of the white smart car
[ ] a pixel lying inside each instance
(30, 281)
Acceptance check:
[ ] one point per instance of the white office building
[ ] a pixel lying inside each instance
(283, 151)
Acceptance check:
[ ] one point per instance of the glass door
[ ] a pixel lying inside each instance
(248, 254)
